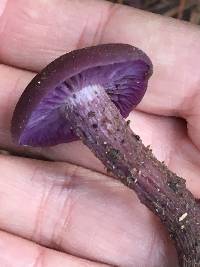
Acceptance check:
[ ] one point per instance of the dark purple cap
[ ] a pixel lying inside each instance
(39, 118)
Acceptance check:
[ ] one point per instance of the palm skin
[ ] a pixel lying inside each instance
(68, 212)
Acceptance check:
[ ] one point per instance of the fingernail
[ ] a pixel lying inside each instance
(2, 6)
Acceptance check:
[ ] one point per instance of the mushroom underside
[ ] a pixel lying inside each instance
(124, 82)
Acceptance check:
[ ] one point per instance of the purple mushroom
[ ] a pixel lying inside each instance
(122, 70)
(85, 94)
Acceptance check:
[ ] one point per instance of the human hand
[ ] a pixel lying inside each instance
(74, 209)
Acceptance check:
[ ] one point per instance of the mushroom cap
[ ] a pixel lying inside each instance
(39, 119)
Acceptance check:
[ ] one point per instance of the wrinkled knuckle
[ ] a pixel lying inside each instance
(97, 25)
(39, 261)
(63, 223)
(56, 206)
(103, 21)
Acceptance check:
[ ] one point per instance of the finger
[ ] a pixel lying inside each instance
(18, 252)
(174, 86)
(48, 29)
(81, 212)
(164, 142)
(34, 26)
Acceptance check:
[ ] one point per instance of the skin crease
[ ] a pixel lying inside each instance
(74, 209)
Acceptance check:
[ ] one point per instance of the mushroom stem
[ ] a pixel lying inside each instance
(96, 120)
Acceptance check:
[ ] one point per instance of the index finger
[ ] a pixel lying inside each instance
(47, 29)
